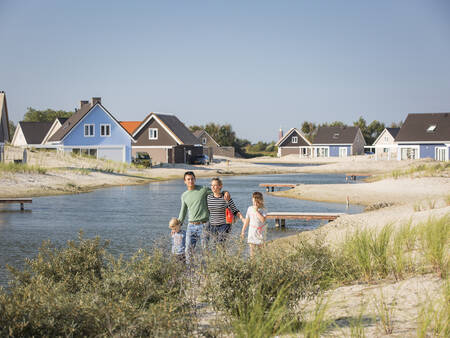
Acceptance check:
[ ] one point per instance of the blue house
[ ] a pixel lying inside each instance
(94, 131)
(338, 142)
(424, 136)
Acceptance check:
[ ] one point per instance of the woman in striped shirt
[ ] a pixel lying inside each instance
(217, 205)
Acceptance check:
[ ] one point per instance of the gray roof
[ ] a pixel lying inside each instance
(416, 128)
(34, 132)
(336, 135)
(175, 125)
(393, 131)
(71, 122)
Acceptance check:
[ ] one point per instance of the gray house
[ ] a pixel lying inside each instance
(424, 136)
(166, 139)
(294, 142)
(338, 142)
(211, 147)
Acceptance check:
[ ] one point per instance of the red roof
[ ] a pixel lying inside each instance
(130, 126)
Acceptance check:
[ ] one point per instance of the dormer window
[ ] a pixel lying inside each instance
(294, 139)
(431, 128)
(153, 133)
(336, 135)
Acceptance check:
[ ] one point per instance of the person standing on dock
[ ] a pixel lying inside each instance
(194, 201)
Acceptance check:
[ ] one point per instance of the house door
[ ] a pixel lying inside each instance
(343, 152)
(440, 154)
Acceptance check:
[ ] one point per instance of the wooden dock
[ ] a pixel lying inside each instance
(281, 217)
(272, 186)
(22, 201)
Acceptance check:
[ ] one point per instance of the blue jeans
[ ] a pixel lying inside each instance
(217, 233)
(194, 233)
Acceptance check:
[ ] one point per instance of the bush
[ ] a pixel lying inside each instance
(232, 282)
(81, 290)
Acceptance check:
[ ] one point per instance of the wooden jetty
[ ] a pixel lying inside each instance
(22, 201)
(281, 217)
(272, 186)
(353, 176)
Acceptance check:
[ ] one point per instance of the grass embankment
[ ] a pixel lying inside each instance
(421, 170)
(15, 168)
(82, 290)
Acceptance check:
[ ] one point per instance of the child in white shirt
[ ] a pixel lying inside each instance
(256, 218)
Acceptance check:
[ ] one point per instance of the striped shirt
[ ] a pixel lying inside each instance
(216, 207)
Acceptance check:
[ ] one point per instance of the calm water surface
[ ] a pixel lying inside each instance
(135, 217)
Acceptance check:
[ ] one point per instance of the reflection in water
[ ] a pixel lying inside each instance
(133, 217)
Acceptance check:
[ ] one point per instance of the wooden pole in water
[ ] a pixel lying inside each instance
(348, 202)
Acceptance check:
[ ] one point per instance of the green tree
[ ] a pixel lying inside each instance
(309, 129)
(396, 124)
(362, 124)
(49, 115)
(374, 130)
(12, 129)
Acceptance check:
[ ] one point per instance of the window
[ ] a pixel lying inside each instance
(89, 130)
(431, 128)
(153, 133)
(336, 135)
(386, 139)
(105, 130)
(204, 140)
(294, 139)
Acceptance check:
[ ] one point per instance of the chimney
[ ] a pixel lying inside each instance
(96, 100)
(83, 103)
(280, 134)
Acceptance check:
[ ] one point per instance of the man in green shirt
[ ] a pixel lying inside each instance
(194, 201)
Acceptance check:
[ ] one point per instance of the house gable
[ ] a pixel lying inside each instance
(97, 116)
(385, 137)
(164, 136)
(202, 134)
(19, 138)
(287, 140)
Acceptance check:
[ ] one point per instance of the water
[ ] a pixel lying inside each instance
(133, 217)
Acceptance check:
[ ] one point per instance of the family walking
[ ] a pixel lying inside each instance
(207, 221)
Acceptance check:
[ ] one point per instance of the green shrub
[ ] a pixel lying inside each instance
(81, 290)
(232, 281)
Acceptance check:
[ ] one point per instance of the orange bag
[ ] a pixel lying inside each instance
(228, 216)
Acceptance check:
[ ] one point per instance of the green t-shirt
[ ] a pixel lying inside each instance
(195, 201)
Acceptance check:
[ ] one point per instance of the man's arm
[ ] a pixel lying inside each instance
(183, 211)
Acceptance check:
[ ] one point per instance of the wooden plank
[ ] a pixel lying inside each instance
(303, 215)
(16, 200)
(278, 185)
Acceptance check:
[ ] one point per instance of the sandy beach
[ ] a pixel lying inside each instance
(409, 198)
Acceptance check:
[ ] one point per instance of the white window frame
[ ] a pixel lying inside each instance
(437, 149)
(294, 139)
(204, 140)
(150, 131)
(93, 129)
(109, 129)
(415, 148)
(341, 151)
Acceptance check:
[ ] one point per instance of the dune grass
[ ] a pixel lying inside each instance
(21, 168)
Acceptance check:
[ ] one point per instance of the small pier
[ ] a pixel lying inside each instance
(353, 176)
(21, 201)
(281, 217)
(272, 186)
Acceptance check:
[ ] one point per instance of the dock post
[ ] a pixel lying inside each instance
(348, 202)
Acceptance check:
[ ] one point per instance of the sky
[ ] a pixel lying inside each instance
(257, 65)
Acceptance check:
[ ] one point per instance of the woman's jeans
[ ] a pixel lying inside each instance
(194, 233)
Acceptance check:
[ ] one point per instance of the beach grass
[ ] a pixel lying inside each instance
(415, 170)
(19, 168)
